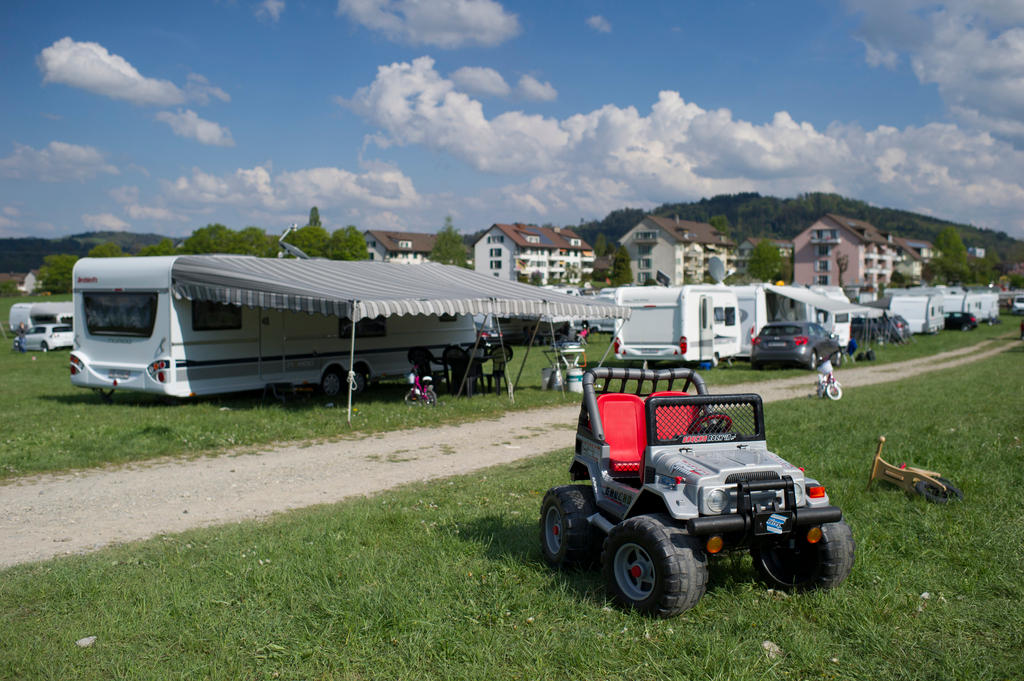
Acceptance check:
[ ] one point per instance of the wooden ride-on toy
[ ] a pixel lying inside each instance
(928, 484)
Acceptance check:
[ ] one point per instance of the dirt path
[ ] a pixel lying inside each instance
(51, 515)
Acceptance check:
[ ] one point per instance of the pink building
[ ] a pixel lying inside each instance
(841, 251)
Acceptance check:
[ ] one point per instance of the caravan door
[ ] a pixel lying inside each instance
(707, 331)
(272, 351)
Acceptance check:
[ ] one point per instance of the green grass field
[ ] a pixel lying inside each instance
(49, 425)
(445, 580)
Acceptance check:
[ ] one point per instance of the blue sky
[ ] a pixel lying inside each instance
(393, 114)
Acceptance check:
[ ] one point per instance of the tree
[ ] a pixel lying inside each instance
(449, 248)
(951, 263)
(842, 264)
(314, 217)
(347, 244)
(254, 241)
(601, 245)
(622, 271)
(765, 261)
(165, 247)
(214, 238)
(8, 289)
(107, 250)
(55, 274)
(721, 223)
(313, 241)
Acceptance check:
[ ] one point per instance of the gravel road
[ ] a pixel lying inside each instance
(51, 515)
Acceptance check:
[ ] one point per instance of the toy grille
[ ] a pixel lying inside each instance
(680, 420)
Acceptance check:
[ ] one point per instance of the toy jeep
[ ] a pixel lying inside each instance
(675, 477)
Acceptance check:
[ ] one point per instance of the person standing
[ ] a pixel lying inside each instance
(20, 340)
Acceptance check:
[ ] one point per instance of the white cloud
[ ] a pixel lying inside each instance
(272, 9)
(599, 24)
(105, 222)
(481, 80)
(442, 23)
(91, 67)
(188, 124)
(610, 157)
(58, 162)
(531, 88)
(139, 212)
(256, 189)
(199, 89)
(125, 194)
(972, 51)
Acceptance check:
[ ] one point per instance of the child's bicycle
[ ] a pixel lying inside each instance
(928, 484)
(421, 391)
(828, 385)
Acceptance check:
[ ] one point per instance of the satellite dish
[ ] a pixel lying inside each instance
(716, 268)
(294, 250)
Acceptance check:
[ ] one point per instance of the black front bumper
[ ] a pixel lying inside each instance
(749, 520)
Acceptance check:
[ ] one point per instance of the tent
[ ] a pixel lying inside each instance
(368, 289)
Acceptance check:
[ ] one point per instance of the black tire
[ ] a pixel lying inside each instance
(567, 539)
(654, 567)
(44, 347)
(756, 366)
(429, 397)
(938, 495)
(795, 564)
(815, 361)
(332, 382)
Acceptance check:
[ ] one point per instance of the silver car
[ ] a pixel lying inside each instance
(47, 337)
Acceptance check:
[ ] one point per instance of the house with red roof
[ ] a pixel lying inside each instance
(540, 255)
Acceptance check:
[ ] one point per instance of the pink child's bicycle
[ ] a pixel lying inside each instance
(421, 390)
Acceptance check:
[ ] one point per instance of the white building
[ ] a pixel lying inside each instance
(540, 255)
(679, 248)
(403, 247)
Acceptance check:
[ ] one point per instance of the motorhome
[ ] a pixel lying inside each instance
(693, 323)
(924, 311)
(133, 333)
(33, 314)
(753, 311)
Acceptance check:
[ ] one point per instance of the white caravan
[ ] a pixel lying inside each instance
(924, 311)
(695, 323)
(753, 308)
(33, 314)
(132, 333)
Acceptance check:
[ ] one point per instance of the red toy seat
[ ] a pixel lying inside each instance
(622, 416)
(674, 420)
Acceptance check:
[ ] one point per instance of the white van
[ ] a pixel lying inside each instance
(694, 323)
(132, 333)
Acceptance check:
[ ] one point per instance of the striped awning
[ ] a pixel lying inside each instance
(333, 287)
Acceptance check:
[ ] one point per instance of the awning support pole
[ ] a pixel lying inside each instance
(352, 358)
(529, 344)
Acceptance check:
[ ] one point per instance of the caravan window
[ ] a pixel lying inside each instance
(730, 316)
(120, 314)
(719, 314)
(207, 316)
(842, 317)
(364, 327)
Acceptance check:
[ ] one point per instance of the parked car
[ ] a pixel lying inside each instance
(963, 321)
(49, 337)
(802, 343)
(1017, 307)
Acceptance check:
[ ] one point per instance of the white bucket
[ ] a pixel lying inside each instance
(574, 380)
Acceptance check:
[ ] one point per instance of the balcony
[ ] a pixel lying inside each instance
(645, 237)
(825, 237)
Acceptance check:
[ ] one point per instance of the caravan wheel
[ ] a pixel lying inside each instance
(332, 382)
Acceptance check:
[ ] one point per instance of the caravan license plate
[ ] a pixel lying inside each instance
(120, 374)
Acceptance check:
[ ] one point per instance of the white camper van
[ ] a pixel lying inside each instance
(695, 323)
(924, 312)
(753, 309)
(33, 314)
(133, 333)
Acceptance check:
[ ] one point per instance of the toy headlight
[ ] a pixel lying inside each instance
(716, 500)
(798, 494)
